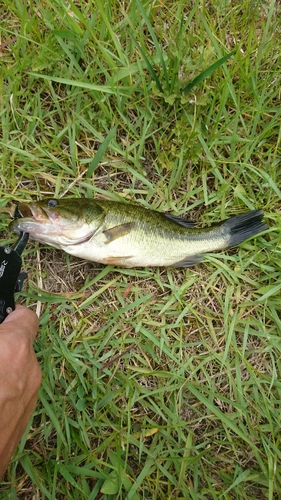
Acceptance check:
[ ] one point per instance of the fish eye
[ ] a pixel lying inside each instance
(52, 203)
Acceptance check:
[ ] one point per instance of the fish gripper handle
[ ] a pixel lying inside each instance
(11, 279)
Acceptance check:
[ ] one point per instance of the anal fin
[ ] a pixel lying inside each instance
(190, 260)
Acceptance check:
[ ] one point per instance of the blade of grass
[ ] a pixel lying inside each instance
(75, 83)
(101, 151)
(155, 41)
(205, 74)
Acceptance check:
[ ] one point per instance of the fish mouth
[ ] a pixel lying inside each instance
(29, 218)
(30, 210)
(47, 227)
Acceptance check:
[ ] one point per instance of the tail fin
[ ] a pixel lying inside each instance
(244, 226)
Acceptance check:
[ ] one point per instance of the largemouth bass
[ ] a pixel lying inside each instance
(129, 235)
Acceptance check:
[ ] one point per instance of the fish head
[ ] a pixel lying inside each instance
(67, 221)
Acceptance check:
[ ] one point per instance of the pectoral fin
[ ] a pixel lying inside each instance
(117, 231)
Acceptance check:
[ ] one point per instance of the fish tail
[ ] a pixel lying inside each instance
(244, 226)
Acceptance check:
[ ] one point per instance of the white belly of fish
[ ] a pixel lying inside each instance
(130, 251)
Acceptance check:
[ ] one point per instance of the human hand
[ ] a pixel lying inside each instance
(20, 379)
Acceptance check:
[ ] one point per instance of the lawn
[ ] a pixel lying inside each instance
(158, 384)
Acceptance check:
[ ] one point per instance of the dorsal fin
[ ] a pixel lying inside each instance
(181, 221)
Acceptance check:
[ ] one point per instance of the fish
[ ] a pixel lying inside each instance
(129, 235)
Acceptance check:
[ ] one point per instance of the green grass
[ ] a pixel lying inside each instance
(157, 383)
